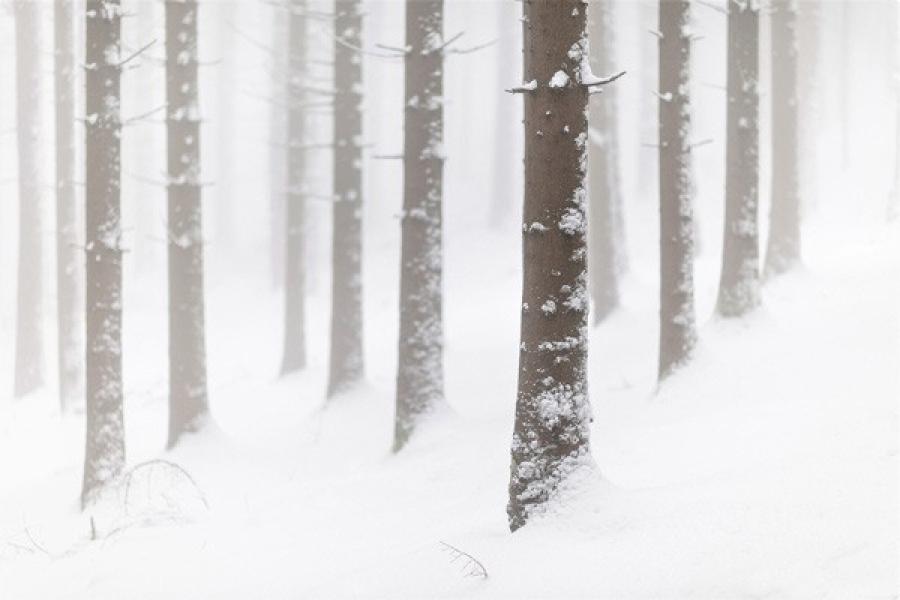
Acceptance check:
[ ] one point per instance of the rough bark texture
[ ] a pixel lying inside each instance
(420, 371)
(346, 358)
(605, 218)
(739, 282)
(69, 267)
(188, 408)
(550, 439)
(29, 373)
(783, 249)
(104, 455)
(294, 357)
(677, 334)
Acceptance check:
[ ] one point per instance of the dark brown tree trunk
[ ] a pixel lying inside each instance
(739, 282)
(346, 359)
(550, 439)
(104, 455)
(294, 357)
(677, 335)
(605, 219)
(188, 408)
(783, 249)
(69, 267)
(29, 373)
(420, 369)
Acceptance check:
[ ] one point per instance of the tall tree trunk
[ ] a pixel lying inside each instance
(69, 268)
(277, 144)
(783, 249)
(605, 218)
(739, 282)
(29, 320)
(104, 455)
(677, 334)
(420, 368)
(294, 357)
(550, 438)
(346, 362)
(188, 408)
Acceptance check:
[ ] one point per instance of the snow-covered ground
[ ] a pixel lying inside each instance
(768, 468)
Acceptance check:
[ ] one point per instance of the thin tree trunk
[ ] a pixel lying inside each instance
(605, 219)
(68, 256)
(551, 434)
(783, 249)
(278, 120)
(677, 334)
(739, 282)
(420, 369)
(29, 373)
(188, 408)
(294, 357)
(104, 455)
(346, 362)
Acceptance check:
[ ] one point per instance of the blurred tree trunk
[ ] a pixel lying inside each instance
(294, 357)
(29, 373)
(104, 455)
(783, 249)
(677, 334)
(69, 268)
(277, 144)
(550, 438)
(188, 408)
(809, 41)
(739, 282)
(605, 234)
(420, 370)
(346, 359)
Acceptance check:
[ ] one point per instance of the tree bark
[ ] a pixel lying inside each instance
(677, 335)
(346, 362)
(783, 249)
(29, 373)
(605, 210)
(739, 282)
(294, 357)
(69, 268)
(420, 371)
(104, 455)
(551, 434)
(188, 407)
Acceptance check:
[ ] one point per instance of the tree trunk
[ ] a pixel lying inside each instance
(550, 439)
(346, 363)
(677, 335)
(104, 455)
(605, 218)
(420, 369)
(739, 282)
(277, 144)
(29, 320)
(188, 408)
(294, 358)
(783, 249)
(68, 256)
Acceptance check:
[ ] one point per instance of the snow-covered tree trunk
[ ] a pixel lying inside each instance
(550, 438)
(346, 358)
(739, 282)
(188, 408)
(29, 372)
(677, 334)
(104, 455)
(605, 237)
(420, 369)
(69, 266)
(294, 356)
(783, 250)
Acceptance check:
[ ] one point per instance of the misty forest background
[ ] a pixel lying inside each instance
(323, 298)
